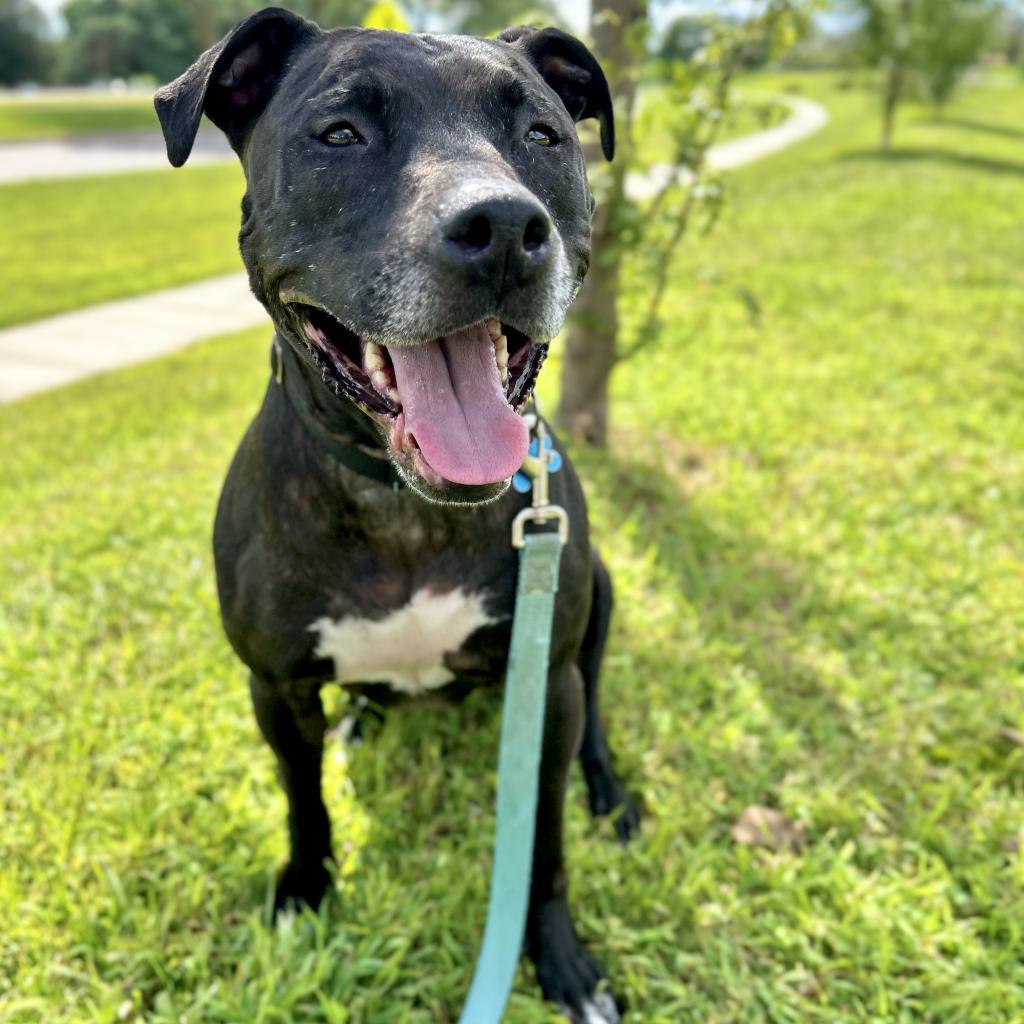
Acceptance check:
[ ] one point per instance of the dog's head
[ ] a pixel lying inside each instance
(416, 221)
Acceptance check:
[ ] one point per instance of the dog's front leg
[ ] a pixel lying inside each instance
(567, 973)
(291, 718)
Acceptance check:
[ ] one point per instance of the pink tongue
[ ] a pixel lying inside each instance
(455, 405)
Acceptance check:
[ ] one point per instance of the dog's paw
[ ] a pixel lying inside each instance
(301, 885)
(602, 1009)
(626, 818)
(568, 975)
(609, 798)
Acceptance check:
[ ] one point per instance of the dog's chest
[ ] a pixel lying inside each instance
(405, 649)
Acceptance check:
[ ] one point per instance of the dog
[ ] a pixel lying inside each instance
(416, 222)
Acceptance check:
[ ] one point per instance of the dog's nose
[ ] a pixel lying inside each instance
(510, 233)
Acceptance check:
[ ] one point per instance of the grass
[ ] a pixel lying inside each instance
(61, 117)
(69, 243)
(815, 529)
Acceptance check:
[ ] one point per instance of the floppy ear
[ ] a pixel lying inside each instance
(572, 71)
(232, 82)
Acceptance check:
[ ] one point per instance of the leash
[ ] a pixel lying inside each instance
(522, 729)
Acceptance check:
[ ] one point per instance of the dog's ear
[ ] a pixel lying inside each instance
(232, 82)
(572, 71)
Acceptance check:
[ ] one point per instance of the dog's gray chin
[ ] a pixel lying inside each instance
(452, 495)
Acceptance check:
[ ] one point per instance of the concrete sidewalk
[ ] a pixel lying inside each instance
(83, 156)
(44, 354)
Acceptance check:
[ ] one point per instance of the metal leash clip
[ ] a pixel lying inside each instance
(541, 461)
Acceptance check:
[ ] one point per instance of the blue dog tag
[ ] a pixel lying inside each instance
(522, 483)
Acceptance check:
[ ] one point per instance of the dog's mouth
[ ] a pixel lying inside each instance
(449, 407)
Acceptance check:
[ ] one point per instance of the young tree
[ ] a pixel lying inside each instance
(888, 43)
(697, 98)
(923, 43)
(684, 37)
(619, 31)
(953, 36)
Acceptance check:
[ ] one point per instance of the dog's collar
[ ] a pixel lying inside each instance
(285, 367)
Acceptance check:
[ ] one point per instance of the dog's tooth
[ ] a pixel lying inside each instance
(380, 379)
(373, 357)
(501, 350)
(394, 396)
(504, 374)
(493, 327)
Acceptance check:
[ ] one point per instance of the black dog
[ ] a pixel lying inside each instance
(416, 222)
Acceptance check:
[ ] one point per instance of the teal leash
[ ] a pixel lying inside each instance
(522, 731)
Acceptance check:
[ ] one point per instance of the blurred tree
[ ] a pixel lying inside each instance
(953, 36)
(121, 38)
(930, 43)
(329, 13)
(1010, 28)
(24, 46)
(104, 39)
(691, 110)
(227, 13)
(888, 35)
(684, 37)
(170, 37)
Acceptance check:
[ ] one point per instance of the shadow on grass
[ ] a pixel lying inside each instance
(935, 155)
(777, 619)
(743, 594)
(968, 124)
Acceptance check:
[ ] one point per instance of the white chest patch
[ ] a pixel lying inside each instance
(406, 649)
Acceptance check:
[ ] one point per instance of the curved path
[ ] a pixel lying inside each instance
(114, 334)
(806, 118)
(81, 156)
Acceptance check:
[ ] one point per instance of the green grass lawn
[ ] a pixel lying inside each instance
(69, 243)
(59, 117)
(815, 528)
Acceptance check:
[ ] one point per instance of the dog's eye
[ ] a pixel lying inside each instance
(541, 135)
(341, 135)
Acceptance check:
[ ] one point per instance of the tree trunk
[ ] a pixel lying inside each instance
(893, 94)
(205, 25)
(589, 354)
(901, 56)
(590, 344)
